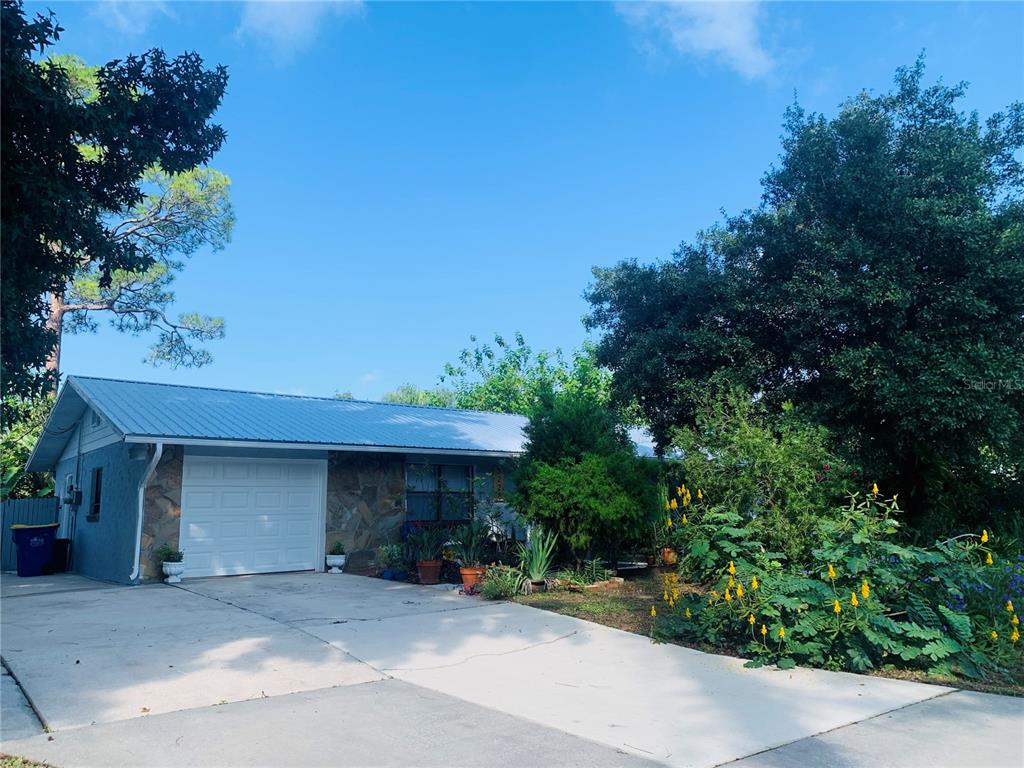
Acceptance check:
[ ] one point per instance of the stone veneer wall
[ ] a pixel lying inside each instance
(161, 522)
(365, 499)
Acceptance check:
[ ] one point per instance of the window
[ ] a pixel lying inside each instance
(97, 491)
(439, 492)
(94, 420)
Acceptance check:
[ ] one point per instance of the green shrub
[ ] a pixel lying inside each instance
(502, 582)
(580, 477)
(590, 572)
(862, 601)
(772, 472)
(392, 556)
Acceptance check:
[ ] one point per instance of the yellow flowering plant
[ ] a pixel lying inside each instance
(861, 601)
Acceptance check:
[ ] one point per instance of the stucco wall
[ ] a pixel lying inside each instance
(365, 499)
(105, 548)
(161, 522)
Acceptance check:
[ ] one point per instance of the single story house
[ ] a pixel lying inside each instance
(245, 482)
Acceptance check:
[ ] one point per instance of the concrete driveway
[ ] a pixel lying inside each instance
(313, 669)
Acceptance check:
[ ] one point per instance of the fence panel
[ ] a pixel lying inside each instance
(24, 512)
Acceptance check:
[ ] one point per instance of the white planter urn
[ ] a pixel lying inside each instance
(335, 563)
(173, 572)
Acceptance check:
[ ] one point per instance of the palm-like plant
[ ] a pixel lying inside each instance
(428, 543)
(469, 542)
(536, 557)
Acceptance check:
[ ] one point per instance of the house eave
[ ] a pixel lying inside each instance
(353, 448)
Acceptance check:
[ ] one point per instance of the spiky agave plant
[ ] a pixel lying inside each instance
(536, 557)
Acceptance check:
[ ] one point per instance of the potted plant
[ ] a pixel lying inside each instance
(392, 562)
(536, 557)
(469, 542)
(426, 545)
(172, 561)
(336, 557)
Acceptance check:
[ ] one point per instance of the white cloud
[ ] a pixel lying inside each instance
(721, 30)
(130, 18)
(288, 27)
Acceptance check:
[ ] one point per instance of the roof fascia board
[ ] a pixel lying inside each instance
(172, 440)
(45, 431)
(97, 407)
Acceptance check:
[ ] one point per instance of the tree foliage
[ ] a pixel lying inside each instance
(71, 163)
(776, 472)
(579, 476)
(879, 287)
(410, 394)
(509, 377)
(18, 436)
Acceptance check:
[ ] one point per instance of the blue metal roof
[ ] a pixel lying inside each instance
(172, 413)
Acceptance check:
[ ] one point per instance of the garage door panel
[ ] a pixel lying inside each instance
(274, 472)
(267, 500)
(251, 516)
(300, 500)
(234, 500)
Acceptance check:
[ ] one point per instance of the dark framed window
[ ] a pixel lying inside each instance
(438, 492)
(96, 495)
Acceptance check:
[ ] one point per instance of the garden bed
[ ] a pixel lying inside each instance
(628, 608)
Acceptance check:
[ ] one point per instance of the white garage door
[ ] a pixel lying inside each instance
(251, 515)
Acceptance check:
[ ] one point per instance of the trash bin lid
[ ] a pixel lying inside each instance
(41, 525)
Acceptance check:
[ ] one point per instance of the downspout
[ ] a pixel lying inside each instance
(158, 451)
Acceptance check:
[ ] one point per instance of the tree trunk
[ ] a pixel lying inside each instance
(55, 323)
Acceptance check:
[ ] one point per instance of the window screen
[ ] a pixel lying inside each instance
(439, 492)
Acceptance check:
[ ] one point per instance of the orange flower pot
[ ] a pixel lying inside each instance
(668, 556)
(472, 575)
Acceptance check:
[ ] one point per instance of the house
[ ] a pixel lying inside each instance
(245, 482)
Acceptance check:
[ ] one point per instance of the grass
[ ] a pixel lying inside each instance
(628, 608)
(10, 761)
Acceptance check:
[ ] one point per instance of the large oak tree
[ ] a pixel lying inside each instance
(879, 286)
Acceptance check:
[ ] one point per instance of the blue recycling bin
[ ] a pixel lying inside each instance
(35, 547)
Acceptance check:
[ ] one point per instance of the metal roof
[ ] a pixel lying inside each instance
(148, 412)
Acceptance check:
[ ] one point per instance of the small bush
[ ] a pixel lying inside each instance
(590, 572)
(337, 549)
(392, 556)
(502, 582)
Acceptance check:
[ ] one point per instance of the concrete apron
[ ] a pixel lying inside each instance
(672, 704)
(101, 655)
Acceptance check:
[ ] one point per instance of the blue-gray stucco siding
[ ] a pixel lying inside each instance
(105, 548)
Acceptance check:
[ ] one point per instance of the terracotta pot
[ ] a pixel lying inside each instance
(668, 556)
(472, 575)
(429, 570)
(539, 586)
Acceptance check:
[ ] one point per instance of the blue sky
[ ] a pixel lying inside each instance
(405, 175)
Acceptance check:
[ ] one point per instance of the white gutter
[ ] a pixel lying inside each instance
(158, 451)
